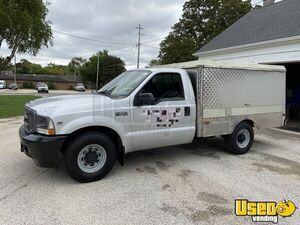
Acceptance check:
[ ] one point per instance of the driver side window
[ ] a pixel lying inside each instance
(165, 87)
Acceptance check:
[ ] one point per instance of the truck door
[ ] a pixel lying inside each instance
(167, 120)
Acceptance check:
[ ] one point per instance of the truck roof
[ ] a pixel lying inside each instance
(228, 65)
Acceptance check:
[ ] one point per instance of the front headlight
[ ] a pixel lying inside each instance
(45, 125)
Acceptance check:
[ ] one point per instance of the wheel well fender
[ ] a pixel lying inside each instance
(105, 130)
(248, 121)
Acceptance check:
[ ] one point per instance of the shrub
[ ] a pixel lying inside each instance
(71, 87)
(51, 86)
(28, 85)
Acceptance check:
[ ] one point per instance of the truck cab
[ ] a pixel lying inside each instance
(163, 110)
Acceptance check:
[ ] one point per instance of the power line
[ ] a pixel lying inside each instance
(126, 44)
(145, 42)
(132, 52)
(151, 46)
(153, 36)
(157, 39)
(127, 48)
(90, 39)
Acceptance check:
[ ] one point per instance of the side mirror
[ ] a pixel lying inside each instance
(144, 99)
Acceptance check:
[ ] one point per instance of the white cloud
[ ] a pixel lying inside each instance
(113, 21)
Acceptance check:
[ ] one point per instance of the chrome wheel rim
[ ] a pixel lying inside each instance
(91, 158)
(243, 138)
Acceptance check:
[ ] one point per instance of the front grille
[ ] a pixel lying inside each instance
(29, 120)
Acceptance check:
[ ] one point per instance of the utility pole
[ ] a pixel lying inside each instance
(97, 79)
(139, 45)
(15, 70)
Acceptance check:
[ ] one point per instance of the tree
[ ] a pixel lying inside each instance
(109, 67)
(202, 20)
(154, 62)
(177, 49)
(24, 67)
(54, 69)
(37, 69)
(24, 27)
(75, 65)
(8, 67)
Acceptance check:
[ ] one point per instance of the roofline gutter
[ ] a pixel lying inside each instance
(248, 46)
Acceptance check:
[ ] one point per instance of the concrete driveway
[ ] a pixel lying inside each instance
(190, 184)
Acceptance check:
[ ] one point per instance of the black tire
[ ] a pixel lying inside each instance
(238, 142)
(76, 146)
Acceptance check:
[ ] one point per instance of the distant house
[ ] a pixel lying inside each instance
(266, 35)
(61, 82)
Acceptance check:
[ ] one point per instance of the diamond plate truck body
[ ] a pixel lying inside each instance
(227, 94)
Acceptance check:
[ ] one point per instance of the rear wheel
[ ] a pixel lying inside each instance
(90, 157)
(241, 140)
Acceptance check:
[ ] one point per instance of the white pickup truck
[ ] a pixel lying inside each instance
(151, 108)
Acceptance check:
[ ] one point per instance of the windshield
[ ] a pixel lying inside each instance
(127, 82)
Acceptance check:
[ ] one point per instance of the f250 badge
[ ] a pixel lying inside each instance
(121, 114)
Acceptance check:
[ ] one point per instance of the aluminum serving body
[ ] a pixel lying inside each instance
(227, 96)
(228, 93)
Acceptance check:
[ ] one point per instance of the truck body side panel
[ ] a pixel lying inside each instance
(232, 95)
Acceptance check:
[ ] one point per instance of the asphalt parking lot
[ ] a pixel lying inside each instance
(189, 184)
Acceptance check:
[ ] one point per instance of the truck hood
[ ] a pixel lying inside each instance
(69, 103)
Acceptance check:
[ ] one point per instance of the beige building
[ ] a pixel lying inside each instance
(61, 82)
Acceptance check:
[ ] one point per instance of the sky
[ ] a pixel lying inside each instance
(109, 25)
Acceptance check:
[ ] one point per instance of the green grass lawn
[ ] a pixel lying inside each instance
(13, 105)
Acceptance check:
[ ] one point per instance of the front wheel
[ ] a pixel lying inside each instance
(90, 157)
(241, 140)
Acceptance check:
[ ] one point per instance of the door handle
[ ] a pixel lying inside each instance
(187, 111)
